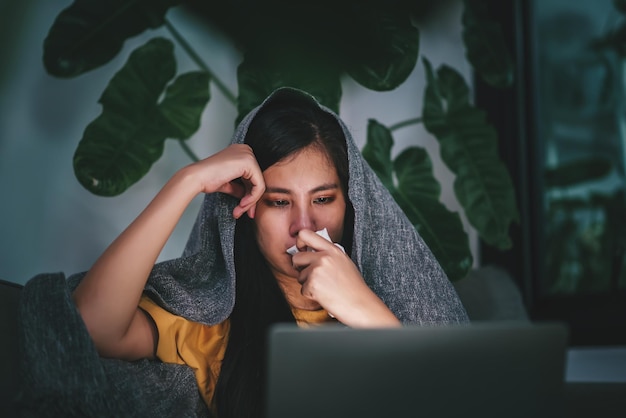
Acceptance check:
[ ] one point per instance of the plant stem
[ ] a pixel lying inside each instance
(408, 122)
(188, 150)
(196, 58)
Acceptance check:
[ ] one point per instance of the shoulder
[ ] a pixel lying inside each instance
(176, 332)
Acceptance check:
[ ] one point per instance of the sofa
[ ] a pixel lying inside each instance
(9, 372)
(488, 294)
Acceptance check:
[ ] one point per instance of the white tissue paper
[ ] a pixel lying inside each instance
(322, 233)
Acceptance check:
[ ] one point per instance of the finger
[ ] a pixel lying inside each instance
(255, 187)
(306, 263)
(308, 239)
(307, 292)
(247, 204)
(302, 260)
(233, 188)
(239, 210)
(254, 183)
(252, 211)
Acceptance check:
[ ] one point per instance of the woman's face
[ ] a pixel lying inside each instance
(302, 191)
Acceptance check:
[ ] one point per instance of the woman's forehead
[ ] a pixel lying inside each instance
(309, 167)
(314, 151)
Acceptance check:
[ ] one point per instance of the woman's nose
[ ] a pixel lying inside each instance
(302, 218)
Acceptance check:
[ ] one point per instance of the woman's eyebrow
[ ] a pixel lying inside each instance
(277, 190)
(320, 188)
(324, 187)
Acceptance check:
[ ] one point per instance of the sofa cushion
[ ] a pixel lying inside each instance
(9, 372)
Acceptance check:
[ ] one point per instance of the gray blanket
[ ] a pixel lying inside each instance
(64, 375)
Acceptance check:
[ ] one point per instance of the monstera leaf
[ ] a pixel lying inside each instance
(375, 42)
(468, 147)
(89, 33)
(410, 180)
(385, 46)
(258, 78)
(119, 146)
(484, 43)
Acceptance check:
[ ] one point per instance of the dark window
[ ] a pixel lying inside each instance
(563, 136)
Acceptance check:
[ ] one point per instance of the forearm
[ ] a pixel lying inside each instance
(108, 296)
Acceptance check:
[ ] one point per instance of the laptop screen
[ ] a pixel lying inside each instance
(494, 369)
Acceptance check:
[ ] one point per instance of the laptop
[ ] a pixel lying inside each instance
(490, 369)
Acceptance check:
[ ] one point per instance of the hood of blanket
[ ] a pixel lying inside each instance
(393, 259)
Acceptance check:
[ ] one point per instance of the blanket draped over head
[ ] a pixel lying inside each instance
(63, 375)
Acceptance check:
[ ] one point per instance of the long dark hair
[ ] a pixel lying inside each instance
(284, 126)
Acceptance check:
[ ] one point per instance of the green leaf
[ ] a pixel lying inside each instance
(89, 33)
(442, 230)
(119, 146)
(385, 46)
(417, 193)
(184, 103)
(257, 78)
(414, 173)
(468, 145)
(377, 152)
(374, 41)
(485, 47)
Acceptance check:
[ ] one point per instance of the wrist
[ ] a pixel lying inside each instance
(378, 318)
(374, 314)
(187, 182)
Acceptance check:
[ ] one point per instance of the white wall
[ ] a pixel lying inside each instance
(49, 223)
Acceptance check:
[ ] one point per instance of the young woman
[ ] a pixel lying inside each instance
(291, 171)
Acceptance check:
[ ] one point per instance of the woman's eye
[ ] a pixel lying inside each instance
(279, 203)
(275, 203)
(324, 200)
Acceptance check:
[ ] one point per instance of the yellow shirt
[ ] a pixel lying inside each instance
(202, 347)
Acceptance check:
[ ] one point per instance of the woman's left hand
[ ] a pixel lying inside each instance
(329, 277)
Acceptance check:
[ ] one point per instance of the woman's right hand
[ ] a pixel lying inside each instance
(233, 171)
(108, 296)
